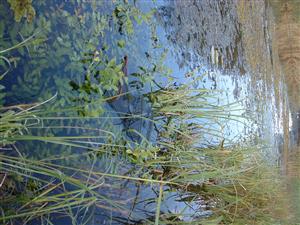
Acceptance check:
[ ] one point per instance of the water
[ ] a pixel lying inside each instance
(234, 43)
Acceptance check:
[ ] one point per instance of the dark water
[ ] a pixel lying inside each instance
(232, 42)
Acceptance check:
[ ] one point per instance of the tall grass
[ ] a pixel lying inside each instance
(232, 181)
(228, 178)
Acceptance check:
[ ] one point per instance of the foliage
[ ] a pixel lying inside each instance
(102, 76)
(125, 15)
(22, 8)
(67, 33)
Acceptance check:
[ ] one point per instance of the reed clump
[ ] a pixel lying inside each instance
(186, 153)
(234, 183)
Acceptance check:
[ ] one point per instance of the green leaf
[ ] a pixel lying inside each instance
(121, 43)
(112, 62)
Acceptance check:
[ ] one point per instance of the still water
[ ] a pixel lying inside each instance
(245, 52)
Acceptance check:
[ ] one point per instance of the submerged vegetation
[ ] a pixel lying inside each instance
(83, 157)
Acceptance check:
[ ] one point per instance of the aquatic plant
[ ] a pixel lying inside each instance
(62, 28)
(227, 179)
(103, 80)
(22, 8)
(125, 15)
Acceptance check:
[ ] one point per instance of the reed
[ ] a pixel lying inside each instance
(187, 154)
